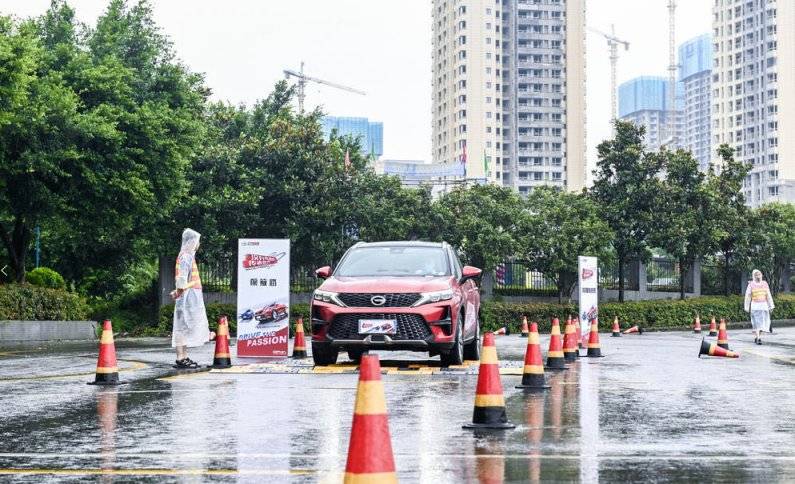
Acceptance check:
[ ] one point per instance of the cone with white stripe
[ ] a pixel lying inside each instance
(570, 347)
(222, 358)
(107, 370)
(594, 349)
(712, 349)
(525, 331)
(533, 373)
(489, 410)
(555, 360)
(616, 328)
(299, 344)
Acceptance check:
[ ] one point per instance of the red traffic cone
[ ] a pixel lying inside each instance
(502, 331)
(594, 350)
(524, 331)
(616, 328)
(533, 373)
(578, 332)
(697, 324)
(634, 329)
(555, 359)
(107, 371)
(299, 345)
(723, 336)
(222, 358)
(489, 401)
(570, 351)
(713, 328)
(370, 456)
(711, 349)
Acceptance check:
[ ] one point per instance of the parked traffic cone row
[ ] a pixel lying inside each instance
(697, 324)
(570, 350)
(489, 410)
(616, 328)
(723, 336)
(222, 358)
(524, 331)
(712, 349)
(594, 348)
(370, 457)
(713, 328)
(634, 329)
(107, 372)
(299, 345)
(533, 372)
(555, 360)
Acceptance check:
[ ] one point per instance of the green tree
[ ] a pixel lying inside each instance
(772, 247)
(625, 188)
(562, 226)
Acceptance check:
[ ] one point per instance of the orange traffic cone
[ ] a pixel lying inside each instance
(578, 332)
(711, 349)
(713, 328)
(616, 328)
(555, 359)
(697, 324)
(222, 358)
(594, 350)
(634, 329)
(502, 331)
(570, 351)
(299, 345)
(370, 456)
(723, 336)
(489, 401)
(533, 373)
(524, 331)
(107, 372)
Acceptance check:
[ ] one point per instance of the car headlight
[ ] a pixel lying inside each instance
(434, 297)
(328, 297)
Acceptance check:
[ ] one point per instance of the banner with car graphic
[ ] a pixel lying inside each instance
(588, 280)
(263, 297)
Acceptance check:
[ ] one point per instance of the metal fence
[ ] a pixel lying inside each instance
(608, 276)
(515, 279)
(713, 282)
(220, 276)
(663, 275)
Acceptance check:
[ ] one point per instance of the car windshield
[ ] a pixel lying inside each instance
(394, 261)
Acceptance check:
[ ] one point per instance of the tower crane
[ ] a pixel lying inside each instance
(612, 42)
(303, 79)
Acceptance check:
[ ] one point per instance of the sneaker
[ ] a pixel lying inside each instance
(183, 364)
(759, 341)
(192, 363)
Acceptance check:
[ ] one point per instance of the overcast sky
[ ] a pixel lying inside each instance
(382, 47)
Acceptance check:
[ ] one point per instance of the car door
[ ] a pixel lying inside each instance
(471, 298)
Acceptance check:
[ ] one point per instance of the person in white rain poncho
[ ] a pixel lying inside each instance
(759, 302)
(191, 328)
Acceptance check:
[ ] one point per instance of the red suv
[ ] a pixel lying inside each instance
(397, 296)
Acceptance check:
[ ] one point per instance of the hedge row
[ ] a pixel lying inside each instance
(31, 303)
(215, 311)
(657, 314)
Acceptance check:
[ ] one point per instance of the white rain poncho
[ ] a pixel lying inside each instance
(190, 317)
(759, 302)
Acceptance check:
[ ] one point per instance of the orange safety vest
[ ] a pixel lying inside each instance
(194, 281)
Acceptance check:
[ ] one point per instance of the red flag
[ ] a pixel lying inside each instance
(347, 160)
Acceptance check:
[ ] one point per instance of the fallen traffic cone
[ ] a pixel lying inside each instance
(616, 328)
(370, 456)
(533, 372)
(502, 331)
(524, 331)
(222, 358)
(489, 401)
(711, 349)
(634, 329)
(299, 345)
(697, 324)
(594, 350)
(555, 360)
(570, 351)
(713, 328)
(723, 336)
(107, 371)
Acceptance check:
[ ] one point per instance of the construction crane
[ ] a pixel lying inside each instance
(303, 79)
(672, 68)
(612, 42)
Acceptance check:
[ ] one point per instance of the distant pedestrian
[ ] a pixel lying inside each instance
(759, 302)
(191, 328)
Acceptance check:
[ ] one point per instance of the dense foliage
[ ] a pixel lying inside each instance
(31, 303)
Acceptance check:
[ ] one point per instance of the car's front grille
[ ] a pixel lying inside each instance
(409, 326)
(392, 300)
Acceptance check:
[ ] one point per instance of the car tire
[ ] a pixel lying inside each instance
(324, 354)
(472, 349)
(456, 354)
(355, 355)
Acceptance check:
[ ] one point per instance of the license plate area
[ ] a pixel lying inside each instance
(377, 326)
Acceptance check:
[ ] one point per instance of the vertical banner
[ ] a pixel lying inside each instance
(263, 297)
(588, 275)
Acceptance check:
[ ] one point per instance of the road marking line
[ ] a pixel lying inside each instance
(788, 361)
(156, 472)
(136, 365)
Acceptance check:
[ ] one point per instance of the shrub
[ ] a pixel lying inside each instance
(45, 277)
(31, 303)
(656, 314)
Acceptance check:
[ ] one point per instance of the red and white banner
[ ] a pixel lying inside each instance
(588, 283)
(263, 297)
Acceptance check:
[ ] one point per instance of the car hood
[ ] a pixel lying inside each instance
(386, 284)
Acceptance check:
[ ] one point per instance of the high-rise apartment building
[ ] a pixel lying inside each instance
(753, 100)
(695, 75)
(644, 101)
(369, 133)
(509, 90)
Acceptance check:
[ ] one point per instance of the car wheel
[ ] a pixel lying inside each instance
(456, 354)
(472, 349)
(324, 354)
(355, 355)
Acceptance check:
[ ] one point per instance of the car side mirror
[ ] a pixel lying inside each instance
(470, 272)
(324, 272)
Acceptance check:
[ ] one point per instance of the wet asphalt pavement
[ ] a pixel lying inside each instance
(649, 411)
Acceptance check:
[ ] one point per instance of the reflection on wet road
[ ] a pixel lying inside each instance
(650, 410)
